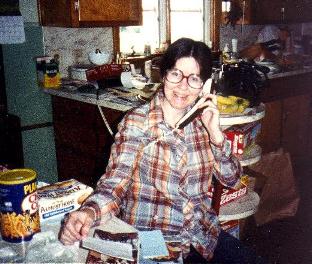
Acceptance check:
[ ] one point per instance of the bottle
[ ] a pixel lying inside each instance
(226, 53)
(234, 54)
(147, 49)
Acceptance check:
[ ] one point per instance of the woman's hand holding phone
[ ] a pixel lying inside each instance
(211, 118)
(207, 105)
(188, 117)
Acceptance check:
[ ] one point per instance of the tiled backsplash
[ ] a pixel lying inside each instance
(74, 44)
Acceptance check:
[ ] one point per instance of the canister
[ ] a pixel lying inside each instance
(48, 74)
(19, 212)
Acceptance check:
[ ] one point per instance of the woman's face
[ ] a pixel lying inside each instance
(181, 95)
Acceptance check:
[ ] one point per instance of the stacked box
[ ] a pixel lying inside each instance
(55, 200)
(222, 195)
(241, 136)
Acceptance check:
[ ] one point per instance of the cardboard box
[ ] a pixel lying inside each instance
(231, 227)
(106, 71)
(223, 195)
(55, 200)
(241, 136)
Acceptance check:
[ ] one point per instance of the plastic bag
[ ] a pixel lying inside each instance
(279, 197)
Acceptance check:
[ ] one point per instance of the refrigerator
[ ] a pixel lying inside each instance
(27, 101)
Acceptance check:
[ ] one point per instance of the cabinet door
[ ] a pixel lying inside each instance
(82, 140)
(271, 127)
(268, 11)
(295, 133)
(282, 11)
(298, 11)
(310, 129)
(72, 164)
(110, 12)
(90, 13)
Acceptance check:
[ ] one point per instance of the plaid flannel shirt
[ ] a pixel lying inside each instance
(158, 178)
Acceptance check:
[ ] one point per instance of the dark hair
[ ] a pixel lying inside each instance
(186, 47)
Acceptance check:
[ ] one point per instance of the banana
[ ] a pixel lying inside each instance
(232, 104)
(225, 100)
(228, 109)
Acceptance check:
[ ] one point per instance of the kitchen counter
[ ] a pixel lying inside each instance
(102, 101)
(44, 247)
(112, 102)
(290, 73)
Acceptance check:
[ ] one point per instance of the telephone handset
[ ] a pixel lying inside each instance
(194, 111)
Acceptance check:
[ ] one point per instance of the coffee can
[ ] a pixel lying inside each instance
(19, 212)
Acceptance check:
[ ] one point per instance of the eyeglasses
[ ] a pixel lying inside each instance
(176, 76)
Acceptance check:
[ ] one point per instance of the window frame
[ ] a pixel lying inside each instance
(164, 24)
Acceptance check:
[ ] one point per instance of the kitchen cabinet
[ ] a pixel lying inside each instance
(286, 125)
(90, 13)
(82, 141)
(270, 138)
(287, 122)
(295, 125)
(245, 7)
(281, 11)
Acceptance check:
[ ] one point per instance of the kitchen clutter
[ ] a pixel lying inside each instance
(130, 80)
(245, 80)
(31, 217)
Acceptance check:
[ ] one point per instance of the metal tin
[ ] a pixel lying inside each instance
(19, 213)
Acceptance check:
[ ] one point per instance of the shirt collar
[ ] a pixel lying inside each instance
(156, 115)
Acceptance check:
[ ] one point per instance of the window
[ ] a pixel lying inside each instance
(185, 19)
(133, 38)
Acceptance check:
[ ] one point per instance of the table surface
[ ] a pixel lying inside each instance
(44, 247)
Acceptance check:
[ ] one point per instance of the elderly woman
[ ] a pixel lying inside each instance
(158, 175)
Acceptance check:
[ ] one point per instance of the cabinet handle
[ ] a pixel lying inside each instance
(285, 118)
(282, 14)
(76, 5)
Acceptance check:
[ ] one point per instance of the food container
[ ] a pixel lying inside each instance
(48, 74)
(78, 72)
(18, 205)
(241, 136)
(58, 199)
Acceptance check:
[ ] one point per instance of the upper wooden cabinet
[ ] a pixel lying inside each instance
(281, 11)
(267, 11)
(90, 13)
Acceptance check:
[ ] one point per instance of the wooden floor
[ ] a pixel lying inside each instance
(287, 241)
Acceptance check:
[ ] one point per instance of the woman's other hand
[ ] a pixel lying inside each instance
(76, 226)
(211, 119)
